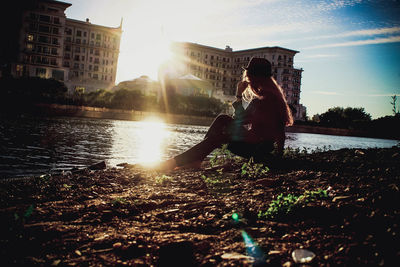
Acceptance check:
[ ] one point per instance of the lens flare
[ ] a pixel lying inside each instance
(152, 135)
(252, 249)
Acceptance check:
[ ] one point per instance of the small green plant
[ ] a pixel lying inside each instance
(44, 179)
(285, 204)
(210, 180)
(163, 179)
(28, 213)
(221, 156)
(119, 201)
(66, 186)
(253, 170)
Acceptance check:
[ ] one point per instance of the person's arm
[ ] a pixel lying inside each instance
(280, 142)
(241, 114)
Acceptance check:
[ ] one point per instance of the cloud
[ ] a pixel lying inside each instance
(382, 95)
(332, 93)
(325, 93)
(336, 4)
(320, 56)
(384, 40)
(362, 33)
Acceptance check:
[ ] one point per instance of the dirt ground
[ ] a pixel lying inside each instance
(130, 217)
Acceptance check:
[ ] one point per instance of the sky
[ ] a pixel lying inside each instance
(349, 49)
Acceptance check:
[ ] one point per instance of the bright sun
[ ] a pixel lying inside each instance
(149, 31)
(152, 134)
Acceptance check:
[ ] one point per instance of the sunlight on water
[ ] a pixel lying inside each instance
(141, 142)
(36, 145)
(152, 134)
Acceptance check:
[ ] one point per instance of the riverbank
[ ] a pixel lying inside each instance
(131, 217)
(133, 115)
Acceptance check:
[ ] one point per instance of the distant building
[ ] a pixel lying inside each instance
(191, 85)
(143, 84)
(44, 43)
(222, 68)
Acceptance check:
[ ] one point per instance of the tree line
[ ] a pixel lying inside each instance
(358, 119)
(25, 91)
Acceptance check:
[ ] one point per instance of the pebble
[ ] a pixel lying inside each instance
(117, 245)
(56, 263)
(302, 256)
(235, 256)
(340, 198)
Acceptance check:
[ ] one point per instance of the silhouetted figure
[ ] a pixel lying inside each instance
(251, 132)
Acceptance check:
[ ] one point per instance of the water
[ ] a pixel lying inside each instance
(32, 146)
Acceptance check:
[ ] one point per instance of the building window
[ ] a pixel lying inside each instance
(84, 34)
(77, 49)
(54, 51)
(44, 18)
(76, 66)
(56, 21)
(76, 57)
(55, 31)
(45, 29)
(53, 62)
(92, 35)
(41, 72)
(29, 47)
(79, 33)
(96, 68)
(98, 37)
(55, 41)
(43, 39)
(29, 37)
(68, 31)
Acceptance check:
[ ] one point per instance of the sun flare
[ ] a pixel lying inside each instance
(152, 135)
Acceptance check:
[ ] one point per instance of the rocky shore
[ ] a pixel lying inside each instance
(339, 207)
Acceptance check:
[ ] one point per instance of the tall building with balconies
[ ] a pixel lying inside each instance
(49, 45)
(91, 54)
(223, 68)
(40, 43)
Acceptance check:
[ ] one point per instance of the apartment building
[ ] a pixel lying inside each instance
(223, 69)
(91, 55)
(49, 45)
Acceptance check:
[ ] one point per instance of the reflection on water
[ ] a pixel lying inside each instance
(34, 145)
(143, 142)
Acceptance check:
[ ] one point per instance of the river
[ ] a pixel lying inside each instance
(32, 146)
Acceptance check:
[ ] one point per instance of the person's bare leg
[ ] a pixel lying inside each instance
(167, 165)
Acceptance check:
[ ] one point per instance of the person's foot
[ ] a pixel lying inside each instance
(167, 165)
